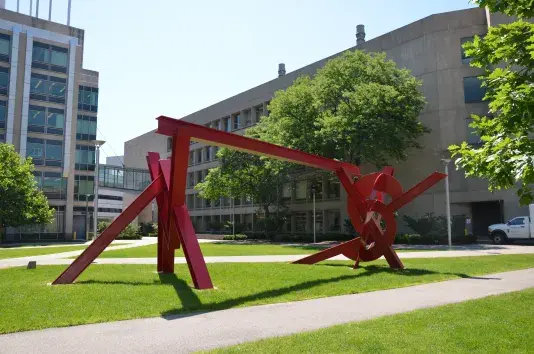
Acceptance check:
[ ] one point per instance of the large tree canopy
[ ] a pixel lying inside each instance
(21, 203)
(506, 53)
(358, 108)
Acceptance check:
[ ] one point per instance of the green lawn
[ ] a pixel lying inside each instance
(35, 251)
(117, 292)
(496, 324)
(217, 249)
(222, 249)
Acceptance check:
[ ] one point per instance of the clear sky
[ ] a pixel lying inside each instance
(175, 57)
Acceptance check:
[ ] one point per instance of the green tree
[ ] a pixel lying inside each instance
(244, 175)
(21, 203)
(506, 53)
(359, 108)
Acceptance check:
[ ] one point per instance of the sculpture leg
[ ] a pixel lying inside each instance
(97, 247)
(350, 249)
(179, 215)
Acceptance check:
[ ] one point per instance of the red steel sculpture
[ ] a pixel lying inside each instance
(372, 218)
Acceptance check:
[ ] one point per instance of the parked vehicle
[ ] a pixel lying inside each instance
(518, 228)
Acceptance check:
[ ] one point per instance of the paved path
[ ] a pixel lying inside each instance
(61, 258)
(188, 333)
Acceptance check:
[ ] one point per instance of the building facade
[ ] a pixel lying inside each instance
(431, 49)
(48, 111)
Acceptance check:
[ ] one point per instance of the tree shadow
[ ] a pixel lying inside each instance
(373, 269)
(191, 305)
(231, 303)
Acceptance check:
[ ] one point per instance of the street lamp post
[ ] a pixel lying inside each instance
(98, 144)
(446, 162)
(87, 218)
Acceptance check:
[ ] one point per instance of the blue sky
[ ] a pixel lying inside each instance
(175, 57)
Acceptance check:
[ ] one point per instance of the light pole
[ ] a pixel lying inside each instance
(98, 144)
(87, 219)
(446, 162)
(313, 196)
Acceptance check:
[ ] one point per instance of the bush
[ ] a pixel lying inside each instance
(416, 239)
(146, 228)
(237, 237)
(102, 225)
(428, 226)
(130, 233)
(153, 234)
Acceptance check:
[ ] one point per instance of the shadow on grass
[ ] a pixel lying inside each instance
(191, 304)
(405, 271)
(231, 303)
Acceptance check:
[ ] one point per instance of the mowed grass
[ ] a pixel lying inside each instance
(224, 249)
(496, 324)
(118, 292)
(218, 249)
(35, 251)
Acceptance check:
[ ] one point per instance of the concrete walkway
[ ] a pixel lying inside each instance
(62, 258)
(188, 333)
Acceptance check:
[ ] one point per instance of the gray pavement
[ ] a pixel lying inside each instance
(189, 333)
(61, 258)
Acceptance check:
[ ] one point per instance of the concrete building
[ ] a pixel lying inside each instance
(431, 49)
(48, 110)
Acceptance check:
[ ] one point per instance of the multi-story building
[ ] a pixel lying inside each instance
(48, 111)
(431, 49)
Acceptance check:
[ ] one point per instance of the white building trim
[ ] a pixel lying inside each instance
(70, 104)
(26, 95)
(14, 59)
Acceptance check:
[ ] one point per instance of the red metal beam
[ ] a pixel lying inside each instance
(171, 127)
(114, 229)
(165, 251)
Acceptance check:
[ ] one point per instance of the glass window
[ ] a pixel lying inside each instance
(301, 190)
(54, 150)
(3, 115)
(199, 155)
(517, 221)
(88, 98)
(333, 189)
(54, 185)
(286, 191)
(5, 45)
(40, 53)
(473, 91)
(38, 85)
(333, 218)
(35, 148)
(83, 187)
(4, 80)
(227, 125)
(208, 153)
(58, 58)
(237, 121)
(37, 119)
(56, 120)
(86, 128)
(169, 144)
(57, 89)
(300, 222)
(259, 112)
(85, 158)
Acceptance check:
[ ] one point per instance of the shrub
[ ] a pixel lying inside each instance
(428, 226)
(130, 233)
(146, 228)
(237, 237)
(102, 225)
